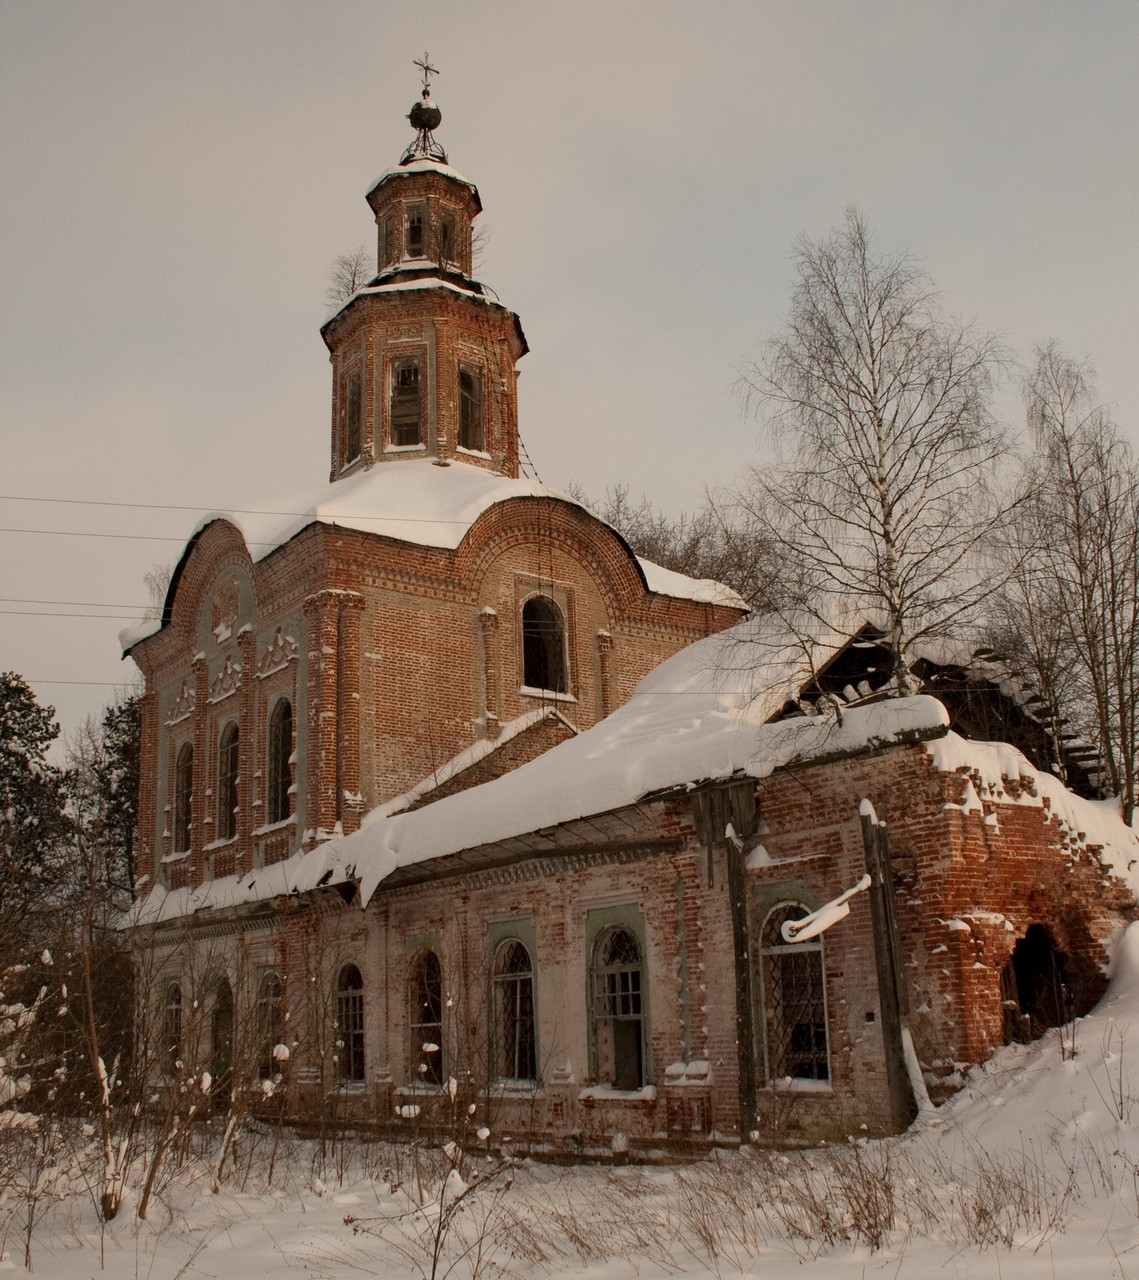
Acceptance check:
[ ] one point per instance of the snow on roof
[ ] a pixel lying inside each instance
(423, 165)
(130, 636)
(415, 501)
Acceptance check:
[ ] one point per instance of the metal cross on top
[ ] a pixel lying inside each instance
(428, 71)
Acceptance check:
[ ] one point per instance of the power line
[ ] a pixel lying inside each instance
(76, 604)
(46, 613)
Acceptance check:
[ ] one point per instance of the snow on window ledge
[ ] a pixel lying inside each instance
(405, 448)
(795, 1084)
(473, 453)
(270, 827)
(607, 1093)
(551, 695)
(179, 855)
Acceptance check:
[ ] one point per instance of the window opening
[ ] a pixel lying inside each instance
(270, 1025)
(172, 1022)
(406, 417)
(470, 408)
(543, 645)
(617, 1010)
(353, 424)
(794, 1001)
(227, 784)
(425, 1019)
(183, 792)
(514, 1012)
(385, 236)
(280, 750)
(415, 232)
(350, 1020)
(447, 239)
(221, 1040)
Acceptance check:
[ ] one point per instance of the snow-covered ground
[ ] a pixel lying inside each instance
(1031, 1171)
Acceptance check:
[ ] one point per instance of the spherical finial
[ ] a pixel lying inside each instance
(425, 115)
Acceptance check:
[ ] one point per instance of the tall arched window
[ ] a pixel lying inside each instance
(350, 1021)
(183, 792)
(543, 645)
(172, 1022)
(618, 1015)
(425, 1019)
(270, 1025)
(514, 1012)
(794, 1000)
(221, 1035)
(280, 750)
(227, 784)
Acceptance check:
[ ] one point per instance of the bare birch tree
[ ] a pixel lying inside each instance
(884, 499)
(1078, 594)
(350, 271)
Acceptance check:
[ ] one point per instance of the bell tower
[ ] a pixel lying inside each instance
(423, 357)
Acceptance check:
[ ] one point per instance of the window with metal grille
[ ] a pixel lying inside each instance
(350, 1023)
(406, 413)
(470, 408)
(183, 791)
(353, 417)
(514, 1012)
(280, 773)
(270, 1025)
(227, 784)
(794, 1000)
(425, 1019)
(543, 645)
(617, 1010)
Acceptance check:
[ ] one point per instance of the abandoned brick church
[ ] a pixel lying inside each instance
(442, 783)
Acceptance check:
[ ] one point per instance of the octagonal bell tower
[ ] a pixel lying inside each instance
(423, 357)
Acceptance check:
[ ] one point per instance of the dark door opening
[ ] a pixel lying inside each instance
(1035, 988)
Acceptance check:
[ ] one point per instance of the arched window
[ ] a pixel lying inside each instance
(172, 1022)
(353, 417)
(514, 1012)
(618, 1016)
(425, 1019)
(183, 792)
(270, 1025)
(350, 1021)
(794, 1003)
(221, 1035)
(543, 645)
(280, 750)
(227, 784)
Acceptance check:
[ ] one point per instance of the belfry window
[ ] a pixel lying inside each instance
(183, 794)
(414, 240)
(794, 1004)
(470, 408)
(447, 240)
(280, 751)
(227, 784)
(543, 645)
(425, 1019)
(514, 1012)
(618, 1017)
(406, 413)
(353, 417)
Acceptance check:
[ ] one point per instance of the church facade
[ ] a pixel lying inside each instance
(453, 807)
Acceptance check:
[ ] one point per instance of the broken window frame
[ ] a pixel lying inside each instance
(228, 759)
(425, 1018)
(353, 417)
(270, 1023)
(472, 435)
(619, 1009)
(172, 1027)
(183, 798)
(350, 1024)
(405, 426)
(278, 790)
(514, 1032)
(793, 986)
(415, 231)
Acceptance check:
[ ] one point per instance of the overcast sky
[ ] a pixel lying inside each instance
(176, 178)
